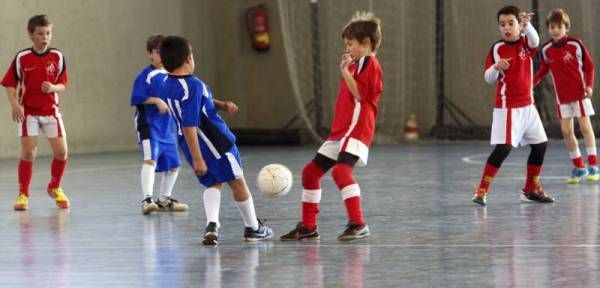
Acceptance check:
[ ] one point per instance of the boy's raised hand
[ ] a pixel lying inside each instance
(346, 60)
(525, 18)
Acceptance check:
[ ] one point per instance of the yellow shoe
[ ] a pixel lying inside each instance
(22, 202)
(59, 196)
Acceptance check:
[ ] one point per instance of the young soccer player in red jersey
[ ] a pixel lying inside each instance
(352, 131)
(515, 118)
(40, 73)
(572, 70)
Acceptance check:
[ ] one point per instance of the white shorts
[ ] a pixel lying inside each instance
(331, 149)
(516, 126)
(51, 126)
(579, 108)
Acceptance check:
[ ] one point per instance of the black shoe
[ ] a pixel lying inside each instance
(301, 232)
(211, 234)
(354, 231)
(263, 232)
(536, 196)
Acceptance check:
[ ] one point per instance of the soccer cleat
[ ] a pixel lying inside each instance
(59, 197)
(22, 202)
(263, 232)
(576, 175)
(480, 196)
(211, 233)
(171, 205)
(538, 195)
(354, 231)
(593, 174)
(148, 206)
(301, 232)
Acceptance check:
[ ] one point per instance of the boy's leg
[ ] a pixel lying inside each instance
(57, 171)
(490, 170)
(212, 202)
(579, 171)
(590, 146)
(168, 161)
(255, 230)
(343, 178)
(533, 189)
(25, 171)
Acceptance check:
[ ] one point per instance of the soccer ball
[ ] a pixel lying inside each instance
(274, 180)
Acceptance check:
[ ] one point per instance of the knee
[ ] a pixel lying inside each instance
(567, 132)
(539, 148)
(60, 155)
(342, 175)
(311, 175)
(28, 154)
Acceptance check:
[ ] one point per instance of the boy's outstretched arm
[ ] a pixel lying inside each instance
(191, 138)
(17, 109)
(226, 106)
(533, 39)
(160, 104)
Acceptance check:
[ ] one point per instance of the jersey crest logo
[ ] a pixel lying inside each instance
(568, 57)
(50, 69)
(523, 54)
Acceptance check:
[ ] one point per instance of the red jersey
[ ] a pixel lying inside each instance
(356, 119)
(571, 67)
(28, 71)
(514, 88)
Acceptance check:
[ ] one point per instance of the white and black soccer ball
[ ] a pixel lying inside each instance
(274, 180)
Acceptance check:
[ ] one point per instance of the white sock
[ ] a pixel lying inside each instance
(147, 176)
(248, 214)
(212, 202)
(591, 150)
(166, 184)
(575, 153)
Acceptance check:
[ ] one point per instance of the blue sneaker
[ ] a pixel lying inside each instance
(594, 174)
(263, 232)
(576, 175)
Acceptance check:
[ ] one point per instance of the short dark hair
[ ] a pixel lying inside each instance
(509, 10)
(174, 51)
(153, 42)
(37, 21)
(364, 25)
(558, 16)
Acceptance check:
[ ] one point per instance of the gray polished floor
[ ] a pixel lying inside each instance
(425, 230)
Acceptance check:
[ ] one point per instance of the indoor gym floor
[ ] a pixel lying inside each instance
(426, 232)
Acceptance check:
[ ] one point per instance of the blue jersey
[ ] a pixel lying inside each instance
(192, 105)
(150, 124)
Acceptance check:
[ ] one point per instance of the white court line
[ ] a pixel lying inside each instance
(469, 160)
(257, 245)
(81, 170)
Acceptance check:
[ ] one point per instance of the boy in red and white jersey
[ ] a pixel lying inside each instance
(515, 119)
(40, 73)
(572, 71)
(352, 131)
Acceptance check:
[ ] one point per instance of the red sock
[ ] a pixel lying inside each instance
(533, 178)
(592, 160)
(354, 210)
(578, 162)
(25, 170)
(311, 195)
(57, 170)
(489, 172)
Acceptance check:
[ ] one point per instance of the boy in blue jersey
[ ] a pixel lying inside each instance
(206, 141)
(154, 126)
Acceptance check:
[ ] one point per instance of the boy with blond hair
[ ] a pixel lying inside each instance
(352, 131)
(572, 69)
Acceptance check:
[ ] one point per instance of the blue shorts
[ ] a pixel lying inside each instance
(223, 169)
(164, 154)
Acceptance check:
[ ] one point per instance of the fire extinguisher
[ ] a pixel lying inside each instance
(258, 26)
